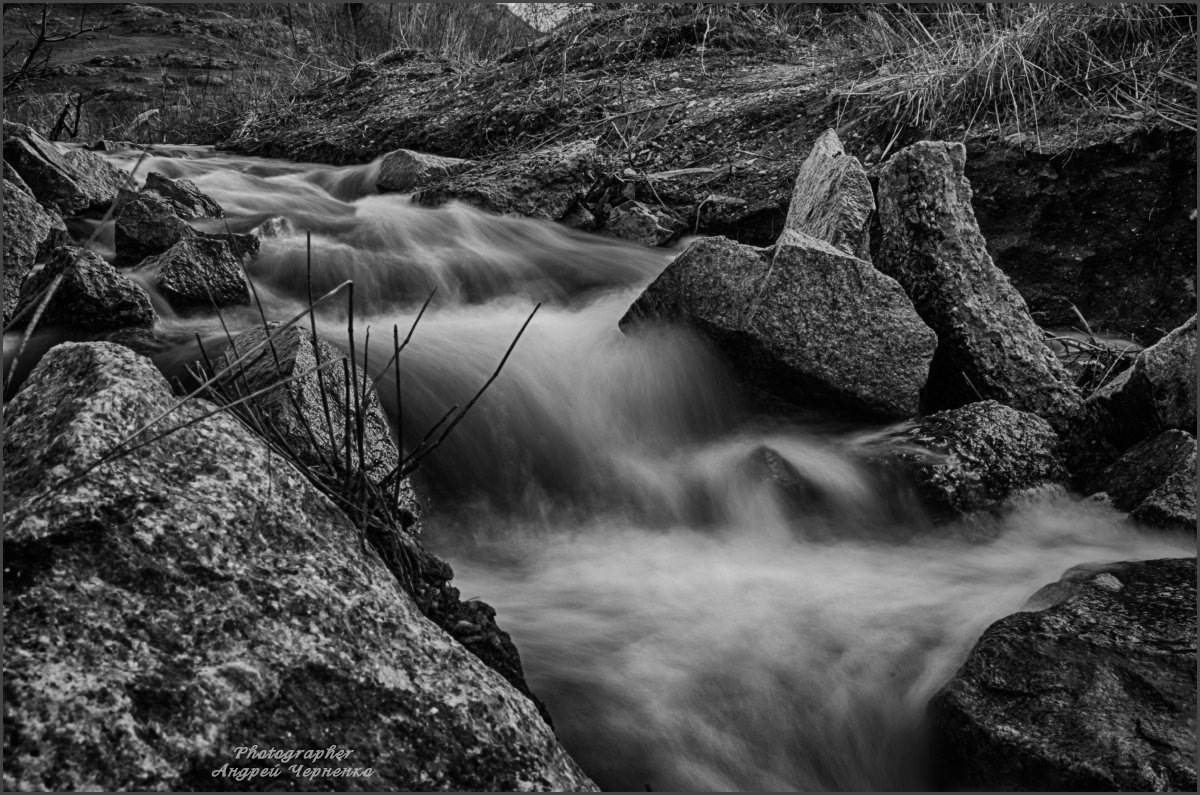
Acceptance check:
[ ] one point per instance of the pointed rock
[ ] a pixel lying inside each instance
(404, 170)
(832, 199)
(68, 182)
(988, 345)
(30, 232)
(146, 225)
(187, 200)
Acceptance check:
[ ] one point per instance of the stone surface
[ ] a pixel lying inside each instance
(1156, 481)
(194, 269)
(30, 232)
(988, 346)
(968, 459)
(1091, 688)
(92, 295)
(68, 182)
(635, 221)
(810, 325)
(542, 184)
(187, 200)
(195, 597)
(405, 170)
(1157, 393)
(832, 199)
(146, 225)
(244, 245)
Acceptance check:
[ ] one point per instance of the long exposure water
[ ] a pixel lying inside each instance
(689, 626)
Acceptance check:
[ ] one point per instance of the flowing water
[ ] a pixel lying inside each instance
(689, 624)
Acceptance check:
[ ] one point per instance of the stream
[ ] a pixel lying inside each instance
(688, 626)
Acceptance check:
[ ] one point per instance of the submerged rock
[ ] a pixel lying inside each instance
(196, 273)
(68, 182)
(968, 459)
(1157, 393)
(200, 595)
(187, 200)
(405, 170)
(542, 184)
(810, 324)
(146, 225)
(832, 199)
(641, 224)
(1091, 688)
(30, 232)
(92, 295)
(988, 345)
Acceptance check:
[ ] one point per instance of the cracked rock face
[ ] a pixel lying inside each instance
(191, 598)
(1091, 688)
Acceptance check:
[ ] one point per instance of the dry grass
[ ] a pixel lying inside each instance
(1023, 65)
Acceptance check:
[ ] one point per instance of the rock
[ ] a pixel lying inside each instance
(811, 325)
(294, 349)
(1157, 393)
(92, 295)
(201, 595)
(580, 217)
(244, 245)
(1091, 688)
(185, 199)
(988, 346)
(542, 184)
(1156, 481)
(11, 175)
(30, 232)
(67, 182)
(635, 221)
(197, 272)
(832, 199)
(968, 459)
(146, 225)
(404, 170)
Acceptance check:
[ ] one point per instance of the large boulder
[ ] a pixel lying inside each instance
(809, 324)
(542, 184)
(30, 232)
(832, 199)
(1091, 688)
(187, 200)
(405, 170)
(146, 225)
(635, 221)
(967, 459)
(988, 346)
(68, 182)
(196, 273)
(92, 295)
(1157, 393)
(200, 596)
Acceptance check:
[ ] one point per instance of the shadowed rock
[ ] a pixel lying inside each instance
(832, 199)
(542, 184)
(196, 273)
(968, 459)
(187, 200)
(1158, 392)
(30, 232)
(404, 170)
(988, 346)
(68, 182)
(1091, 688)
(813, 325)
(199, 596)
(1156, 481)
(93, 295)
(641, 224)
(146, 225)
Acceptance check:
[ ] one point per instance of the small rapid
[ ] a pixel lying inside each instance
(689, 624)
